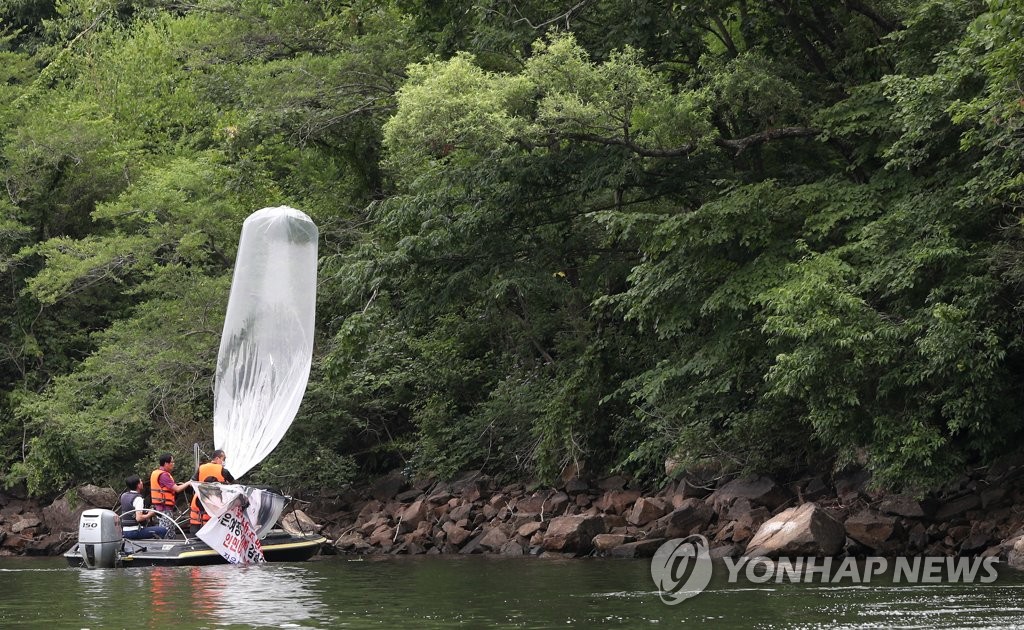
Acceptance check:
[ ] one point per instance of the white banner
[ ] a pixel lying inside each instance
(264, 508)
(232, 535)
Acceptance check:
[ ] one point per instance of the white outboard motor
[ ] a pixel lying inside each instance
(99, 538)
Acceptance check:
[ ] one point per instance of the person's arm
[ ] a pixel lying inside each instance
(167, 481)
(227, 476)
(141, 515)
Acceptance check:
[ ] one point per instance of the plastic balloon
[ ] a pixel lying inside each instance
(267, 345)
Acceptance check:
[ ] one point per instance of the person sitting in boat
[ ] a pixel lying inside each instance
(162, 488)
(134, 516)
(215, 468)
(198, 516)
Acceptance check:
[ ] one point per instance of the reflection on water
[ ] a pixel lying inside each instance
(267, 595)
(273, 596)
(477, 592)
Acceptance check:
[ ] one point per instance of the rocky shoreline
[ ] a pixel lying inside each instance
(982, 514)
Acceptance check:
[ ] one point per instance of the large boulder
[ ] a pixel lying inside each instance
(59, 516)
(298, 523)
(413, 515)
(957, 507)
(902, 505)
(639, 549)
(98, 497)
(63, 514)
(606, 542)
(25, 522)
(646, 510)
(48, 545)
(870, 528)
(494, 539)
(617, 501)
(572, 534)
(806, 530)
(456, 535)
(691, 517)
(758, 490)
(1015, 554)
(388, 486)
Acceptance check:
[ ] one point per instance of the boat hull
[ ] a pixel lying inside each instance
(278, 546)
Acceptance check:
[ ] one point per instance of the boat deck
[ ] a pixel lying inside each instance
(278, 546)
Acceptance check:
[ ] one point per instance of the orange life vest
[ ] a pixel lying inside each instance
(197, 515)
(211, 470)
(158, 494)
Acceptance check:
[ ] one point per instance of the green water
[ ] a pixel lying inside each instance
(469, 592)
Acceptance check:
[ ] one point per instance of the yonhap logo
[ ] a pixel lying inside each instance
(681, 568)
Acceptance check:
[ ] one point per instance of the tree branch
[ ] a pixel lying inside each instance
(737, 145)
(859, 7)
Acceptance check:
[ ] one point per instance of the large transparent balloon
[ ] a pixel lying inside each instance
(267, 345)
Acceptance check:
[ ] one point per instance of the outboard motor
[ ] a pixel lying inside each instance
(99, 537)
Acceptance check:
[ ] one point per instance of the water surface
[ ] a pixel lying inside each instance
(470, 592)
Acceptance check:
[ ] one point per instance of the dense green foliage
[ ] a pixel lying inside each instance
(741, 235)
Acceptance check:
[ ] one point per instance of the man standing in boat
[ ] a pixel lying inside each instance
(162, 488)
(214, 468)
(133, 515)
(198, 516)
(211, 472)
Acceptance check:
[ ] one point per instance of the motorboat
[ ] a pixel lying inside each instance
(278, 546)
(102, 545)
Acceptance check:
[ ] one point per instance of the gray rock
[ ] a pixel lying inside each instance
(494, 539)
(870, 528)
(98, 497)
(388, 486)
(617, 501)
(639, 549)
(646, 510)
(456, 535)
(758, 490)
(692, 516)
(806, 530)
(606, 542)
(957, 507)
(298, 523)
(901, 505)
(1015, 555)
(572, 534)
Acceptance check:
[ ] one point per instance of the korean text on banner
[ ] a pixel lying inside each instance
(233, 536)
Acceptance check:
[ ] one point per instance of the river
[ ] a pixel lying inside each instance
(469, 592)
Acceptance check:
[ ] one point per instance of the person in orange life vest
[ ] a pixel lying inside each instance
(137, 522)
(215, 468)
(198, 515)
(162, 488)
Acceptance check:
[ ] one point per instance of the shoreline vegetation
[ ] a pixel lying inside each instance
(763, 236)
(980, 515)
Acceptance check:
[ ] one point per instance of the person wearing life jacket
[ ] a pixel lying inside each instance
(198, 516)
(215, 468)
(162, 488)
(134, 516)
